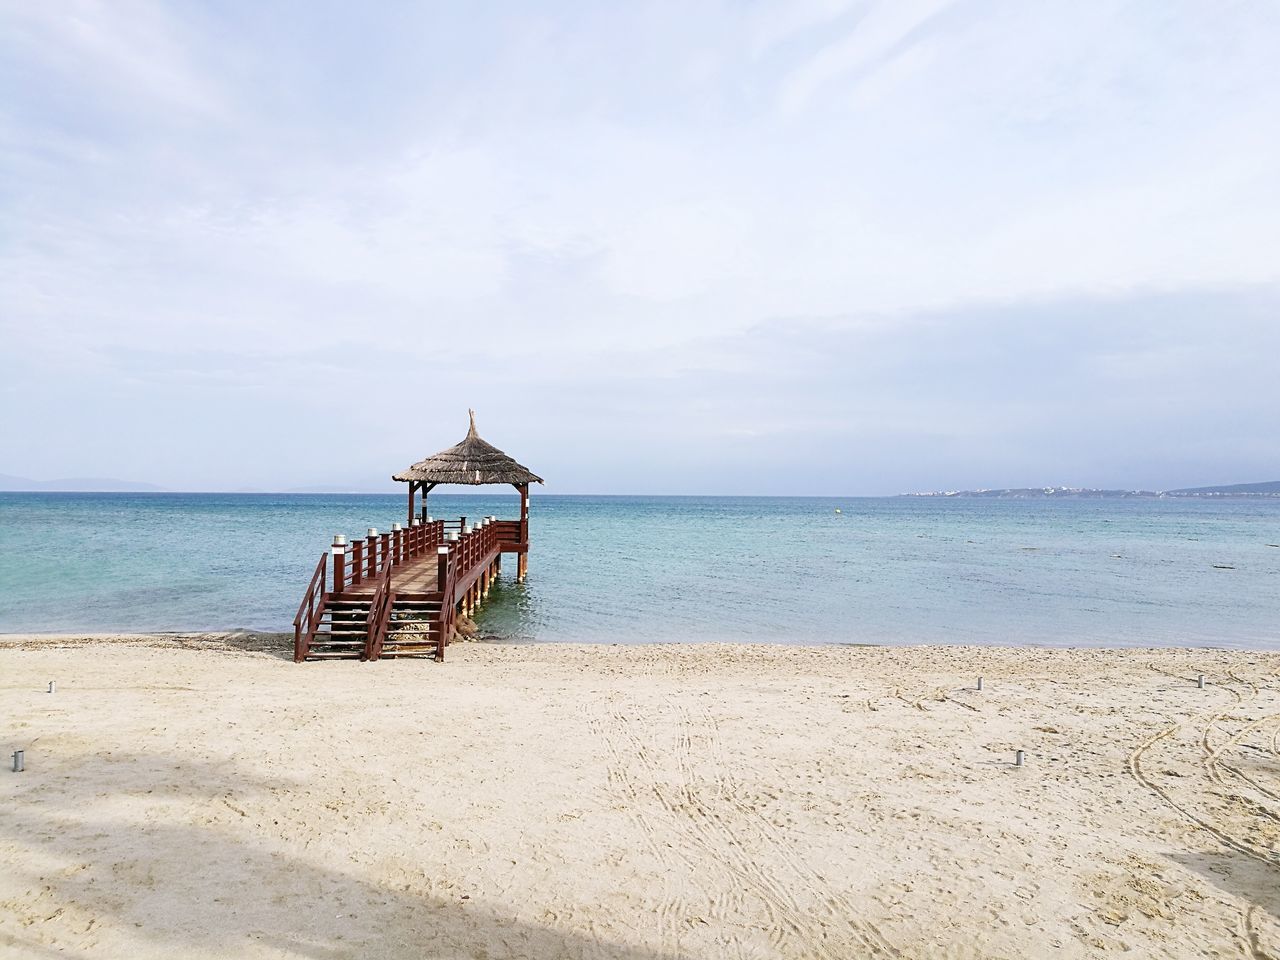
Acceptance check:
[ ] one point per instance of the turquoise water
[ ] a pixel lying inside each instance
(637, 569)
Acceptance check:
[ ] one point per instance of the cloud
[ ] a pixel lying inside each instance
(594, 209)
(877, 34)
(135, 56)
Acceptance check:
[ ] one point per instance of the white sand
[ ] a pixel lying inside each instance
(185, 799)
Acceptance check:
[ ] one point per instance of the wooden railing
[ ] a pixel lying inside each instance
(446, 576)
(309, 611)
(369, 559)
(379, 619)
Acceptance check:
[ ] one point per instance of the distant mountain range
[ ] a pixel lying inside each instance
(1270, 488)
(74, 485)
(12, 484)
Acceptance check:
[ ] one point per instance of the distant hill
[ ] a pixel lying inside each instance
(1268, 489)
(1039, 493)
(13, 484)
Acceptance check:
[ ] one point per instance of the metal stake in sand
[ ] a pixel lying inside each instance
(1019, 758)
(979, 683)
(53, 686)
(1200, 681)
(19, 761)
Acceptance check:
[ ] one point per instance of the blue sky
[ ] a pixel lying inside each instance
(805, 247)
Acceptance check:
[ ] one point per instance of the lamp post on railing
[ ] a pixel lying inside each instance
(442, 568)
(397, 543)
(339, 552)
(372, 542)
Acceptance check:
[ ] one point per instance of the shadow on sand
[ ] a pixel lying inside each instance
(152, 853)
(1250, 879)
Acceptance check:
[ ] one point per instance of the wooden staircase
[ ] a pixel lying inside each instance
(414, 629)
(342, 633)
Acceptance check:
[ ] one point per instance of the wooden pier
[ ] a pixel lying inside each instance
(400, 593)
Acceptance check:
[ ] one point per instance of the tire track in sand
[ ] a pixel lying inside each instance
(1136, 770)
(624, 788)
(1248, 931)
(838, 908)
(698, 802)
(781, 912)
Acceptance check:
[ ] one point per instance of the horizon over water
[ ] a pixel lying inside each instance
(634, 569)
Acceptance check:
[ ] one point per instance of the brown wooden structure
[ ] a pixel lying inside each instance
(400, 593)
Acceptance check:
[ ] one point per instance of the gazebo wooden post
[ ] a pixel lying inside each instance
(425, 488)
(413, 487)
(522, 559)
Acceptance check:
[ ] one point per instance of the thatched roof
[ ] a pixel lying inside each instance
(472, 462)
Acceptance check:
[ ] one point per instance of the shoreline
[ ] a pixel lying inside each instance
(192, 798)
(267, 640)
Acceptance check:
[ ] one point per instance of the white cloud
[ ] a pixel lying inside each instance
(884, 25)
(546, 195)
(118, 53)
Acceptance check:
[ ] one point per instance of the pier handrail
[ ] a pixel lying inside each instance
(315, 591)
(379, 618)
(386, 552)
(448, 600)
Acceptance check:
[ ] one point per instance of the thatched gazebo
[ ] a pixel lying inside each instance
(472, 462)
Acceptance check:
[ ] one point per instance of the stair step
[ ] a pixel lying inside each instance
(416, 652)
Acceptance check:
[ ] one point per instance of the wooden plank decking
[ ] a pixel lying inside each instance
(417, 576)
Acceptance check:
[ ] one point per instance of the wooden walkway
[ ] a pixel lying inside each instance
(417, 576)
(401, 593)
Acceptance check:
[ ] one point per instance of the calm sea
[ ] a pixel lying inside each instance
(641, 569)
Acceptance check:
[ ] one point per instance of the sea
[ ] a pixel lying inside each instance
(641, 569)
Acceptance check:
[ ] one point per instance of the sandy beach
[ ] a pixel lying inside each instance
(203, 797)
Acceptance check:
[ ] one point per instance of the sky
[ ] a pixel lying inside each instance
(809, 247)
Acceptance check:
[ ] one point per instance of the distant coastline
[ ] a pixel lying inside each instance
(1265, 490)
(1268, 489)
